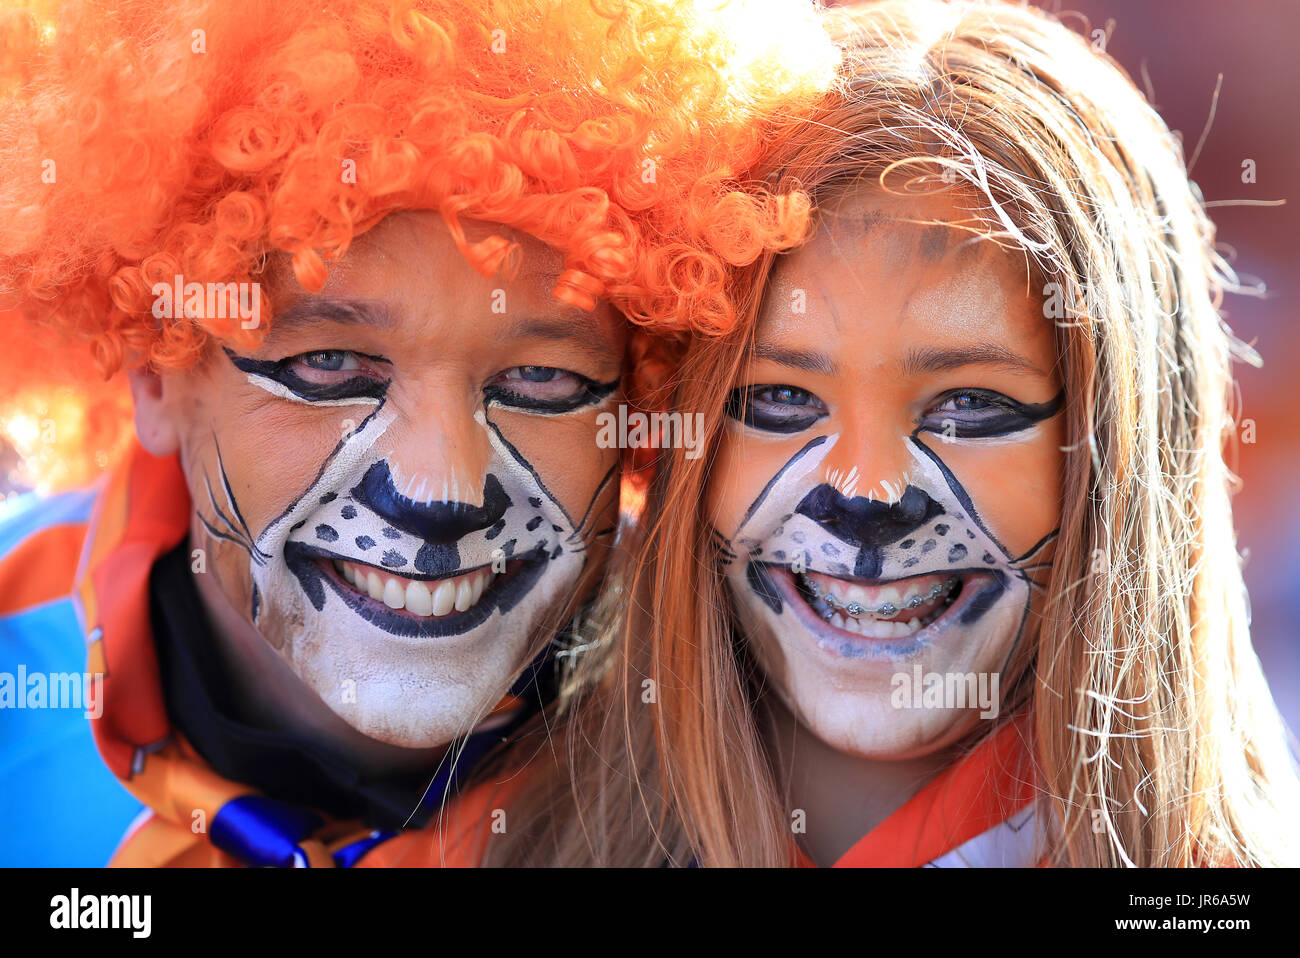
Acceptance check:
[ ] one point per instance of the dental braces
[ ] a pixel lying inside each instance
(856, 609)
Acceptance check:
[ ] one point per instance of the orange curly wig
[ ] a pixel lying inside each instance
(144, 139)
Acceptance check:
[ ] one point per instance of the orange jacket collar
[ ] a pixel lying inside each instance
(142, 512)
(981, 790)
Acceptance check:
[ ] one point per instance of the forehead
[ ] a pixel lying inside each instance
(419, 240)
(909, 265)
(408, 266)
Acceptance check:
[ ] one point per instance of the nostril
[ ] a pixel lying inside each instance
(441, 522)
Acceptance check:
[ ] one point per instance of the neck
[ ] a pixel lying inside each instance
(267, 694)
(843, 796)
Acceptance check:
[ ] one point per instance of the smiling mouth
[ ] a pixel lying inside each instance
(455, 604)
(424, 598)
(894, 609)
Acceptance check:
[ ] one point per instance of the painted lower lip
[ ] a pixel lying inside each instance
(847, 645)
(314, 568)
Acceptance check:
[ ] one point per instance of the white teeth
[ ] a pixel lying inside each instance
(873, 628)
(394, 594)
(418, 598)
(444, 598)
(464, 595)
(879, 604)
(875, 597)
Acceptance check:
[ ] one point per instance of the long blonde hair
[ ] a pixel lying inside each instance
(1156, 739)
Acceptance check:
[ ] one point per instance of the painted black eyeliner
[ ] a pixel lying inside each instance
(589, 394)
(1004, 417)
(740, 405)
(279, 370)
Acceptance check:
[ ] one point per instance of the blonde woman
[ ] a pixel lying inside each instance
(956, 582)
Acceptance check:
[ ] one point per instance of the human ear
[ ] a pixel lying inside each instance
(154, 424)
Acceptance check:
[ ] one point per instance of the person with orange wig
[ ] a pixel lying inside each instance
(367, 275)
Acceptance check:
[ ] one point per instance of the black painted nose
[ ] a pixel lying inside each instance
(868, 523)
(442, 522)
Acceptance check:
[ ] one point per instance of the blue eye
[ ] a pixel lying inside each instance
(330, 360)
(538, 374)
(545, 389)
(775, 408)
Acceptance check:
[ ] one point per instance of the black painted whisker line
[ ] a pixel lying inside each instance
(721, 541)
(585, 546)
(212, 500)
(1037, 546)
(578, 536)
(230, 494)
(219, 534)
(235, 534)
(595, 497)
(1035, 567)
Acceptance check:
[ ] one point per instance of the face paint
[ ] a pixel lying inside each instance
(877, 564)
(452, 507)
